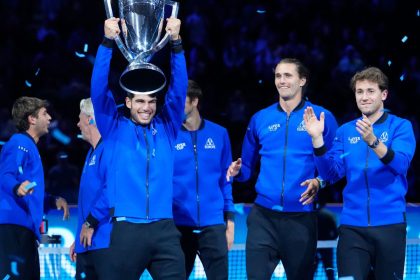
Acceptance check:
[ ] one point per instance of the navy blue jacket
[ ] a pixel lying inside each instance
(139, 185)
(285, 151)
(20, 161)
(376, 188)
(202, 196)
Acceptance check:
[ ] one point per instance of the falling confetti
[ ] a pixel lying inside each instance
(259, 11)
(7, 277)
(402, 77)
(79, 54)
(85, 48)
(83, 275)
(389, 62)
(404, 39)
(28, 84)
(37, 72)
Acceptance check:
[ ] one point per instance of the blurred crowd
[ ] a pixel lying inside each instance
(48, 48)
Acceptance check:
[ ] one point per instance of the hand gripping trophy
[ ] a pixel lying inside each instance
(142, 23)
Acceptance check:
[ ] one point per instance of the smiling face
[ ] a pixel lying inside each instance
(288, 83)
(142, 108)
(369, 97)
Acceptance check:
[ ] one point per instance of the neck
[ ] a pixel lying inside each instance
(94, 139)
(376, 116)
(193, 121)
(34, 135)
(289, 105)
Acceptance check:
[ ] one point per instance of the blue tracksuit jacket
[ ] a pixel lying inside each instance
(201, 193)
(93, 204)
(286, 155)
(20, 161)
(375, 190)
(140, 182)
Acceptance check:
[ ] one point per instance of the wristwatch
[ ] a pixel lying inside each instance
(87, 224)
(374, 144)
(321, 182)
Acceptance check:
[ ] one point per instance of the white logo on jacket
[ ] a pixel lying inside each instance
(209, 144)
(273, 127)
(92, 160)
(301, 126)
(180, 146)
(23, 149)
(384, 137)
(354, 140)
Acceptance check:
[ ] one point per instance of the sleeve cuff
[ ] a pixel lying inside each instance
(92, 221)
(176, 45)
(228, 215)
(320, 151)
(388, 157)
(108, 43)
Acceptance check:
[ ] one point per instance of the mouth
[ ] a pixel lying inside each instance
(144, 116)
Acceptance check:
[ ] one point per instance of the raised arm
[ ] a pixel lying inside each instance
(103, 101)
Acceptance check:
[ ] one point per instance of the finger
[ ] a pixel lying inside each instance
(305, 183)
(322, 117)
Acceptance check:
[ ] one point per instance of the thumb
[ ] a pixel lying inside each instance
(322, 117)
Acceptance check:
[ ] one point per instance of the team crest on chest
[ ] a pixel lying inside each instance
(273, 127)
(209, 144)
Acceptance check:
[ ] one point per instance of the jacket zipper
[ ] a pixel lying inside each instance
(284, 162)
(194, 140)
(367, 186)
(147, 173)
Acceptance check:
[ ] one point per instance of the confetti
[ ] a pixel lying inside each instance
(404, 39)
(37, 71)
(79, 136)
(83, 275)
(389, 62)
(402, 77)
(79, 54)
(344, 155)
(7, 277)
(259, 11)
(14, 268)
(2, 143)
(85, 48)
(20, 170)
(28, 84)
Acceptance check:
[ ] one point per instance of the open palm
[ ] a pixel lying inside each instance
(314, 127)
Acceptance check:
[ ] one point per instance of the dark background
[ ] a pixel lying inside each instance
(48, 47)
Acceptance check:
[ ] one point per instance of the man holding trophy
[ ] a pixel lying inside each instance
(139, 186)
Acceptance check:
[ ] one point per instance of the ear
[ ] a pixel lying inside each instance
(195, 102)
(31, 120)
(128, 102)
(384, 95)
(302, 82)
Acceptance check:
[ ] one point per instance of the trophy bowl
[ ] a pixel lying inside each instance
(141, 25)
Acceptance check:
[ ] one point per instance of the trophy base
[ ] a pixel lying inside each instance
(144, 78)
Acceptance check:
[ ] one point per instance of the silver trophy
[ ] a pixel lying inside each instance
(142, 23)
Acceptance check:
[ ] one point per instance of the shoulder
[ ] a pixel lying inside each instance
(266, 111)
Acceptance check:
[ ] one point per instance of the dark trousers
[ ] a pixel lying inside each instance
(211, 246)
(92, 265)
(136, 247)
(274, 236)
(18, 253)
(382, 248)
